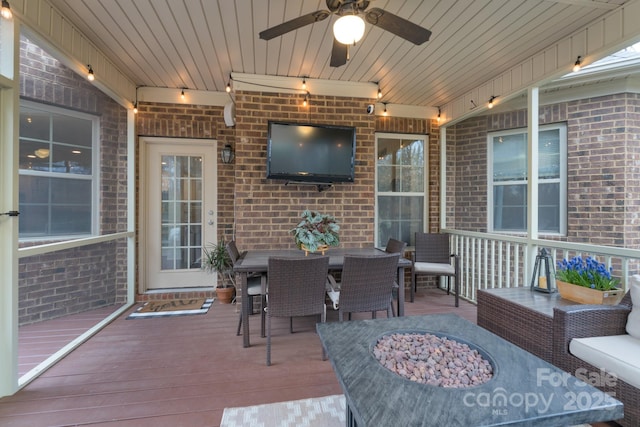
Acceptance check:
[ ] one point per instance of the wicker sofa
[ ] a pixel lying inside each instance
(580, 321)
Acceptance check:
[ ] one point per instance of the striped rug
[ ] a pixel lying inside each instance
(325, 411)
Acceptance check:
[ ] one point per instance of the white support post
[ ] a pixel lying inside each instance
(532, 181)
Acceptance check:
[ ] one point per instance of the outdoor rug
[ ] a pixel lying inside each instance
(325, 411)
(167, 308)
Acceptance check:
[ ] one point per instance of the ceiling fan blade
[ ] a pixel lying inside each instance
(398, 26)
(294, 24)
(339, 54)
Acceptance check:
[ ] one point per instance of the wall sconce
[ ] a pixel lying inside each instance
(6, 10)
(543, 273)
(90, 76)
(227, 154)
(578, 64)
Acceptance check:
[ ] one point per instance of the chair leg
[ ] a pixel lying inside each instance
(448, 284)
(263, 313)
(413, 285)
(239, 323)
(290, 325)
(457, 286)
(268, 340)
(323, 319)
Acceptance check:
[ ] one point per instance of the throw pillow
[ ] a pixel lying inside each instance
(633, 321)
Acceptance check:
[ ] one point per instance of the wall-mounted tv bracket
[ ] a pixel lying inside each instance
(10, 213)
(322, 186)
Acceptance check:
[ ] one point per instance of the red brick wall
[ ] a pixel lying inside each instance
(267, 209)
(72, 281)
(602, 153)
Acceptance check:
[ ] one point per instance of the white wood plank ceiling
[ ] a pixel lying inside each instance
(197, 44)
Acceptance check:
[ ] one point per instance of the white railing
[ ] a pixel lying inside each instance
(502, 261)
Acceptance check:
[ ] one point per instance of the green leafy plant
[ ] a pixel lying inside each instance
(316, 229)
(587, 272)
(215, 259)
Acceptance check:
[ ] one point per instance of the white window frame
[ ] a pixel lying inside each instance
(562, 179)
(94, 177)
(424, 194)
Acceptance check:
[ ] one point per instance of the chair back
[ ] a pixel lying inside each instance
(395, 246)
(233, 251)
(432, 247)
(367, 282)
(297, 285)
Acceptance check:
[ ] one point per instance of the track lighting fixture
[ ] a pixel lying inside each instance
(6, 10)
(439, 112)
(182, 94)
(90, 76)
(490, 104)
(577, 65)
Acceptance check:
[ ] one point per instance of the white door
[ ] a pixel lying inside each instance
(179, 211)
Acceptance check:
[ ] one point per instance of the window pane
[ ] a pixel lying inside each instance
(54, 206)
(510, 157)
(34, 124)
(34, 155)
(549, 149)
(549, 207)
(510, 207)
(400, 169)
(72, 130)
(71, 159)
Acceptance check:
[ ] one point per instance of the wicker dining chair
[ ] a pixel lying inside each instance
(367, 284)
(254, 288)
(296, 288)
(395, 246)
(433, 257)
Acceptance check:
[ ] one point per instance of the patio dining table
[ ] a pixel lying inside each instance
(256, 261)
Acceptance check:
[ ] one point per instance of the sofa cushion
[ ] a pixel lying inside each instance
(616, 354)
(633, 321)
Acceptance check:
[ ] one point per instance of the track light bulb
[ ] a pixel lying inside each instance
(182, 94)
(6, 10)
(90, 76)
(438, 118)
(228, 89)
(135, 107)
(379, 93)
(306, 101)
(304, 84)
(385, 113)
(577, 65)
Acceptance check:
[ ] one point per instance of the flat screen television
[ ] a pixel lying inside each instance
(311, 152)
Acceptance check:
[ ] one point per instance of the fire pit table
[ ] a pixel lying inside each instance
(524, 389)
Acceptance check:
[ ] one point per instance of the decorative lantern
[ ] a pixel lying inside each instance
(544, 273)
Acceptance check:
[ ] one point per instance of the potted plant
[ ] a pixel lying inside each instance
(316, 232)
(587, 281)
(215, 259)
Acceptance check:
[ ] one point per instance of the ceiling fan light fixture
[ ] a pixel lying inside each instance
(348, 29)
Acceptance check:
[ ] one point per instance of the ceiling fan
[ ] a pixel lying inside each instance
(348, 11)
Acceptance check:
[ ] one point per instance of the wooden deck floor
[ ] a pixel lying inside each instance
(183, 371)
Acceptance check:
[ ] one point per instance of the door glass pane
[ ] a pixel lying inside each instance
(181, 212)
